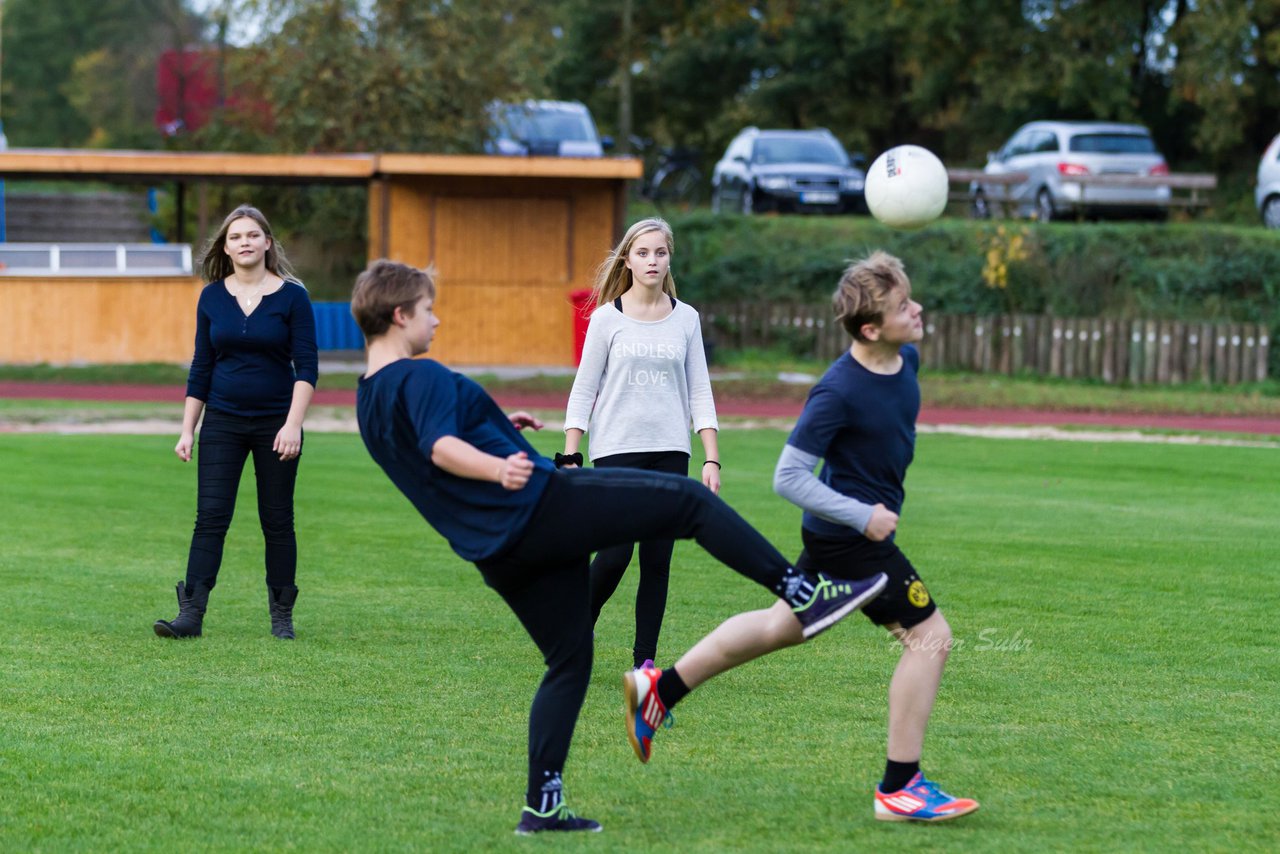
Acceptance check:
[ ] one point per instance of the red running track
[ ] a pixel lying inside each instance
(1258, 425)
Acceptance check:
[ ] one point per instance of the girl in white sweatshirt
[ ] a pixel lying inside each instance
(641, 385)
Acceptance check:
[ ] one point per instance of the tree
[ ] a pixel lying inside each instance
(957, 77)
(939, 74)
(394, 75)
(82, 72)
(1226, 78)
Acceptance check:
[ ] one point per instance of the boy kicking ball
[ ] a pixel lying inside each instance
(531, 529)
(860, 420)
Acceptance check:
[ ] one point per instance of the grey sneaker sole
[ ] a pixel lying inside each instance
(522, 832)
(814, 629)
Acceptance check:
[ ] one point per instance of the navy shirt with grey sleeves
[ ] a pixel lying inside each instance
(478, 518)
(863, 426)
(248, 364)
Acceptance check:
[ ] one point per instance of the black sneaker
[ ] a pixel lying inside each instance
(559, 818)
(834, 599)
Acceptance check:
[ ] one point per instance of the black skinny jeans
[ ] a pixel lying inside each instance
(543, 577)
(226, 441)
(609, 565)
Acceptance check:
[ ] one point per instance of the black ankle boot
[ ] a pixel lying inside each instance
(191, 607)
(280, 600)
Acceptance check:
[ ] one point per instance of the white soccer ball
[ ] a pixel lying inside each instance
(907, 187)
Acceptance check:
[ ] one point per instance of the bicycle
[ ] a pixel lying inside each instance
(674, 177)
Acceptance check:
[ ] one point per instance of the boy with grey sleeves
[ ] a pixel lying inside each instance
(859, 421)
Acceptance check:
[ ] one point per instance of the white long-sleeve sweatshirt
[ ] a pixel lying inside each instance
(641, 384)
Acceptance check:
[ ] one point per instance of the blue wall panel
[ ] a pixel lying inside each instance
(335, 327)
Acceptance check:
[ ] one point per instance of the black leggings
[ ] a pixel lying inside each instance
(609, 565)
(543, 577)
(226, 441)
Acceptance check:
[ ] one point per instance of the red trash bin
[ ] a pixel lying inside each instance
(581, 302)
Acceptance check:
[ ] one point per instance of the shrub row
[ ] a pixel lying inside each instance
(1166, 271)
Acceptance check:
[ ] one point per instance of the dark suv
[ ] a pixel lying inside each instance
(789, 171)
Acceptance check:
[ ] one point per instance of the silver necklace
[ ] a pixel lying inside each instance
(249, 298)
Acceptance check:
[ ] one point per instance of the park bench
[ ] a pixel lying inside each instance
(1189, 191)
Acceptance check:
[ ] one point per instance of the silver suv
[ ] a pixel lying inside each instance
(1267, 193)
(1050, 154)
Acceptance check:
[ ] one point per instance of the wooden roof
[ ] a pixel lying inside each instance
(509, 167)
(149, 166)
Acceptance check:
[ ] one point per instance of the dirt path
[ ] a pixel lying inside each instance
(755, 410)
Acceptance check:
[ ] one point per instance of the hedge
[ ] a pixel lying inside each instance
(1119, 271)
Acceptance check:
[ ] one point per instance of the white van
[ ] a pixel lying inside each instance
(544, 128)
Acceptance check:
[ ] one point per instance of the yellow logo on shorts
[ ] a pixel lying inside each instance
(917, 594)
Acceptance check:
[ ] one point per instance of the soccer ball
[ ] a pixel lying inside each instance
(907, 187)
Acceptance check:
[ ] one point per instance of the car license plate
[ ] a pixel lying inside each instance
(819, 198)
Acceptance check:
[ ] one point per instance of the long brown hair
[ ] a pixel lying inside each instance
(215, 264)
(613, 278)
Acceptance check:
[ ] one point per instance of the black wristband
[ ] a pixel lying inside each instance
(563, 460)
(715, 463)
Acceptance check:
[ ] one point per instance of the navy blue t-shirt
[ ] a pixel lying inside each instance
(247, 365)
(409, 405)
(863, 425)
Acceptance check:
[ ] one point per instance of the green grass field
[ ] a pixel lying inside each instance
(1115, 685)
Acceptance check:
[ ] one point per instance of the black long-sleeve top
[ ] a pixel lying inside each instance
(247, 365)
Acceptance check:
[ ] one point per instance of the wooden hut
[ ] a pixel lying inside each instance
(511, 239)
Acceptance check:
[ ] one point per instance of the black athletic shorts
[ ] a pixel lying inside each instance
(905, 599)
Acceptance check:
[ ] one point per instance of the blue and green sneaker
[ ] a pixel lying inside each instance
(834, 599)
(558, 818)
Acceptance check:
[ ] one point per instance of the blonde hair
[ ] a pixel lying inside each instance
(613, 278)
(864, 291)
(384, 287)
(215, 264)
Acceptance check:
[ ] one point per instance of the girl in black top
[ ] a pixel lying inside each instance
(252, 375)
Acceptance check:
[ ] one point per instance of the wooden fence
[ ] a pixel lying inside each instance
(1135, 351)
